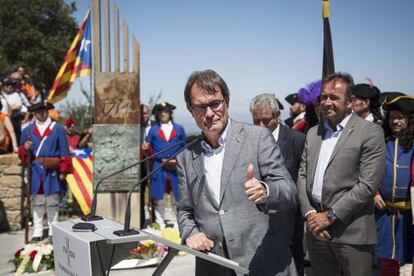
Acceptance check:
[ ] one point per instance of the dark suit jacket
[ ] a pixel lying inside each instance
(291, 144)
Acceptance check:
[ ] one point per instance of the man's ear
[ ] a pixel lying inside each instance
(350, 101)
(278, 116)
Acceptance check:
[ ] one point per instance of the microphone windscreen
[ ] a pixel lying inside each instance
(192, 138)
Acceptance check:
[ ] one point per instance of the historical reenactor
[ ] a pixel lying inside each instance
(392, 202)
(365, 102)
(162, 135)
(297, 111)
(46, 141)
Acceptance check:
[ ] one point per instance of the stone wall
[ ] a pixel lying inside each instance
(10, 192)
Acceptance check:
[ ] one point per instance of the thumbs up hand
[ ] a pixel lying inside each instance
(254, 189)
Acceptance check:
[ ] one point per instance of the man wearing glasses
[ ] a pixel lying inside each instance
(265, 112)
(230, 183)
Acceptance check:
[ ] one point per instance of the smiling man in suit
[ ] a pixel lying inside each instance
(230, 183)
(266, 113)
(342, 165)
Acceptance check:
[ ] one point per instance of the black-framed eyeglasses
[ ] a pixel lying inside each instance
(215, 106)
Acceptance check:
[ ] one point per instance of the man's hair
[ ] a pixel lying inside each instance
(209, 81)
(142, 106)
(406, 138)
(341, 77)
(260, 100)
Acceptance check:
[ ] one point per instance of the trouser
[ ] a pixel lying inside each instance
(38, 206)
(16, 118)
(335, 259)
(159, 210)
(64, 193)
(206, 268)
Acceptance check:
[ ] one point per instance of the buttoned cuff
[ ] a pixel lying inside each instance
(267, 188)
(309, 212)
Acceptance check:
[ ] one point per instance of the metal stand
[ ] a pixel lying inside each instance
(172, 252)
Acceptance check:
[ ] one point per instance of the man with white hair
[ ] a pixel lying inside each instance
(266, 113)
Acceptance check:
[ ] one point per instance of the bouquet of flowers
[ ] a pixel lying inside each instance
(33, 258)
(146, 250)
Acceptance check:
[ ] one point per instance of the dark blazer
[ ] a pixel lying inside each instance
(353, 175)
(291, 144)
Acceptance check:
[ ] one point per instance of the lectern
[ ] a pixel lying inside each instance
(93, 253)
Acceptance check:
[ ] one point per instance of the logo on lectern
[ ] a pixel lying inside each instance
(66, 249)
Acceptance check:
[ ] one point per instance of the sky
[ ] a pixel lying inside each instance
(265, 46)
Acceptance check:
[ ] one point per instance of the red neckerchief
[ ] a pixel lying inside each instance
(161, 134)
(47, 132)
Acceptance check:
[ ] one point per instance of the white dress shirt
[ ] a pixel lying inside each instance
(275, 132)
(370, 117)
(325, 153)
(147, 128)
(167, 129)
(213, 164)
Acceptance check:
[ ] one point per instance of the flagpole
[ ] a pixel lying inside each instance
(328, 58)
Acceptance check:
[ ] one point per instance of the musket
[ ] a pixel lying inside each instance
(27, 193)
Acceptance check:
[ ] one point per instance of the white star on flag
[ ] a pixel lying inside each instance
(84, 45)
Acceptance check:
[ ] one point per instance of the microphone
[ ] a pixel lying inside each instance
(127, 231)
(93, 216)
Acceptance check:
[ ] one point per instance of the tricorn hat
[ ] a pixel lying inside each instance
(41, 105)
(388, 96)
(281, 107)
(162, 106)
(292, 98)
(366, 91)
(401, 103)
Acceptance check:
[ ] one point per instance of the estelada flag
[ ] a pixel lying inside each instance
(328, 58)
(80, 181)
(77, 62)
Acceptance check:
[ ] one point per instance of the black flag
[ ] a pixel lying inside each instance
(328, 58)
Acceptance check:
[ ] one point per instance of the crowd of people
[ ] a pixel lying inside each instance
(329, 188)
(332, 184)
(29, 127)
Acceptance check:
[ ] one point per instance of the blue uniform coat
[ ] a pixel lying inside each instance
(55, 145)
(395, 232)
(159, 142)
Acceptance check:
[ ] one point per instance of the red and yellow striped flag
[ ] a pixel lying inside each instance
(77, 62)
(81, 181)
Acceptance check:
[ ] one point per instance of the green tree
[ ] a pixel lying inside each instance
(35, 34)
(79, 111)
